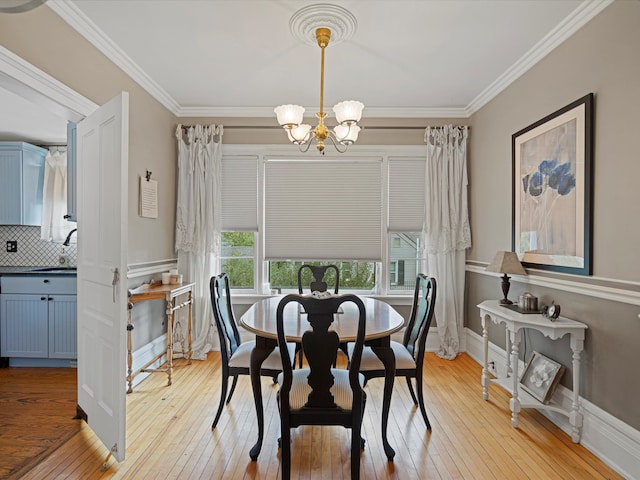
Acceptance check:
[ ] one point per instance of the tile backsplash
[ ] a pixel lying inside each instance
(32, 251)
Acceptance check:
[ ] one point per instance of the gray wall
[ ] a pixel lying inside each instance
(603, 58)
(43, 39)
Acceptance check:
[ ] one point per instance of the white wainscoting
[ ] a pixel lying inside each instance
(613, 441)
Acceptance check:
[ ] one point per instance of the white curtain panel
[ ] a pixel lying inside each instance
(54, 227)
(446, 232)
(198, 222)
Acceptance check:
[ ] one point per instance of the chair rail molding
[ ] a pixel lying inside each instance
(150, 268)
(605, 292)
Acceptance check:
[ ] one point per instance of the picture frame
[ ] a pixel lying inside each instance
(541, 376)
(552, 227)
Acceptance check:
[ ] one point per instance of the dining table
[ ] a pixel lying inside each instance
(382, 320)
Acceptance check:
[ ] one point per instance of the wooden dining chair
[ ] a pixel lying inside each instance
(321, 394)
(235, 355)
(409, 355)
(318, 284)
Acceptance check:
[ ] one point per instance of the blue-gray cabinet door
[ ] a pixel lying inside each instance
(63, 329)
(25, 329)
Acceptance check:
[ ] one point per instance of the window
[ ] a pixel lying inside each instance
(361, 211)
(237, 258)
(405, 261)
(406, 215)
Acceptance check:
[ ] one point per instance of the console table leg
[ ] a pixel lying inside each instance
(515, 400)
(170, 318)
(190, 329)
(575, 417)
(485, 365)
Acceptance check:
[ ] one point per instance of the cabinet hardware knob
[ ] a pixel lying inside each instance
(43, 298)
(46, 281)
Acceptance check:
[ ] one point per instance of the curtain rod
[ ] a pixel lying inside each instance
(278, 127)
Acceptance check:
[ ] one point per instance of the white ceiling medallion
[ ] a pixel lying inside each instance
(307, 20)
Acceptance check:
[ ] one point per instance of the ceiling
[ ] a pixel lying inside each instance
(406, 58)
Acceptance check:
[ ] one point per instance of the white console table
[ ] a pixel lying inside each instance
(514, 323)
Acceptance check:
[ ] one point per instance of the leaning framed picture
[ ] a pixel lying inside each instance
(552, 190)
(541, 376)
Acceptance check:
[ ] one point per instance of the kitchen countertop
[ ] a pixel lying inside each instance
(30, 270)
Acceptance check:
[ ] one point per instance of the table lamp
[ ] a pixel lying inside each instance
(506, 262)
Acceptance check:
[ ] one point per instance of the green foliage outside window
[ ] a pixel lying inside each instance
(237, 258)
(353, 275)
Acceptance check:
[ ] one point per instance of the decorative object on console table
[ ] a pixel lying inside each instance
(506, 262)
(552, 200)
(541, 376)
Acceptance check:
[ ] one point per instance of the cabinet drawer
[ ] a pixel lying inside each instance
(36, 284)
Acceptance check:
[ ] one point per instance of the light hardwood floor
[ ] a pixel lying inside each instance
(169, 435)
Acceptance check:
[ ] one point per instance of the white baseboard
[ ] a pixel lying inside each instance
(145, 354)
(613, 441)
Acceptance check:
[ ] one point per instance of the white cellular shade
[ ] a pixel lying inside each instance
(239, 193)
(406, 193)
(323, 209)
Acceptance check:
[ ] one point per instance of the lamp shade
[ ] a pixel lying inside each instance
(506, 262)
(346, 134)
(349, 111)
(299, 134)
(289, 114)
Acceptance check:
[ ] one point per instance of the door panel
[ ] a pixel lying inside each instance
(102, 170)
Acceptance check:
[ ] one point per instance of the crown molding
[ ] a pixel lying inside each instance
(89, 30)
(22, 78)
(565, 29)
(371, 112)
(587, 10)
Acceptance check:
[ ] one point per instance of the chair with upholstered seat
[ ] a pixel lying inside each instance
(409, 355)
(317, 284)
(320, 394)
(235, 355)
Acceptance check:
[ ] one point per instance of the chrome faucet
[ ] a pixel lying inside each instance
(68, 239)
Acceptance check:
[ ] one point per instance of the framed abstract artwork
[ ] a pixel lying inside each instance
(552, 197)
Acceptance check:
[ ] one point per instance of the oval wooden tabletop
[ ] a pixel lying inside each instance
(382, 319)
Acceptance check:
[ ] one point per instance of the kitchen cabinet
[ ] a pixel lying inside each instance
(38, 316)
(21, 182)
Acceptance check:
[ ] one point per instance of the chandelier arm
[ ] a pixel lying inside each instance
(333, 139)
(307, 144)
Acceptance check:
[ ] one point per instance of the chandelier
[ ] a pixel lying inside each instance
(347, 113)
